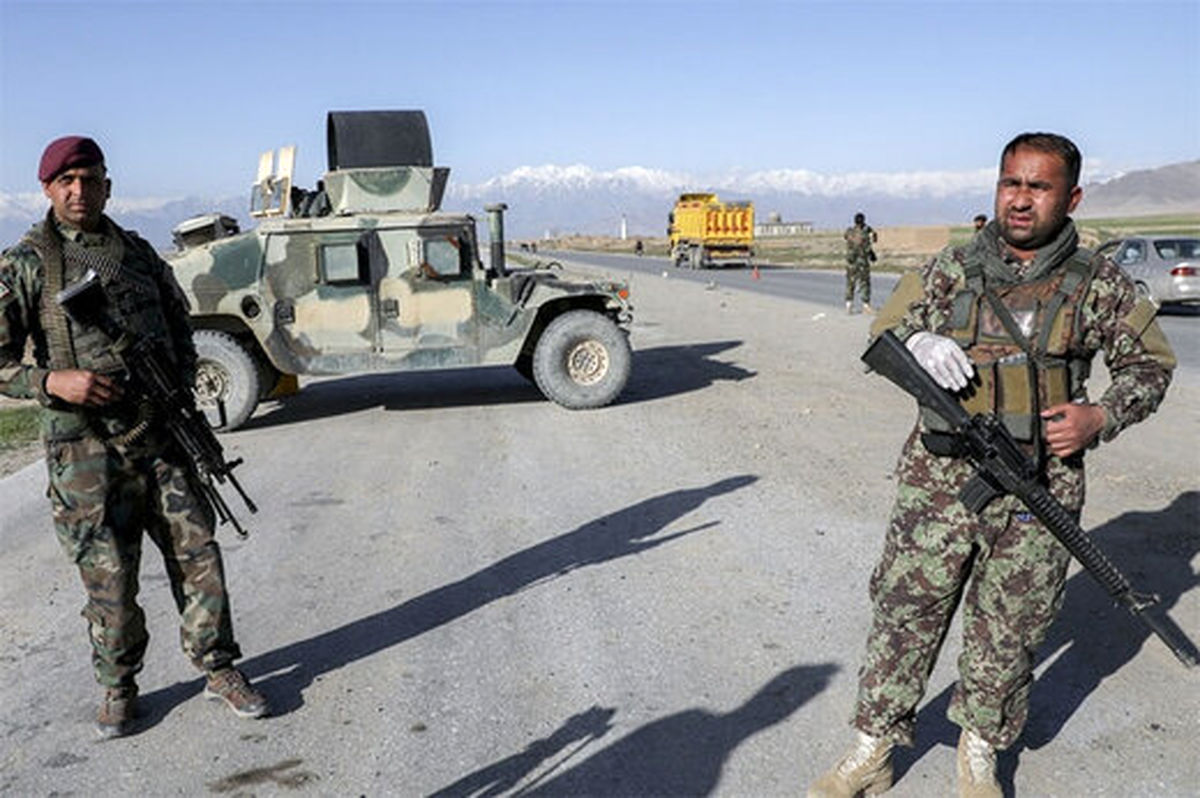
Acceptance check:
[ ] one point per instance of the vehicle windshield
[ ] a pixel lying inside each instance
(1172, 248)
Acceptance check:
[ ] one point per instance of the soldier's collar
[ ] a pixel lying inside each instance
(70, 232)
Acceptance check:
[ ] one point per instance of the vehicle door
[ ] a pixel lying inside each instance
(322, 298)
(427, 297)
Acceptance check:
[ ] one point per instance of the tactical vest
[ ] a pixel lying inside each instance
(858, 243)
(127, 269)
(1019, 377)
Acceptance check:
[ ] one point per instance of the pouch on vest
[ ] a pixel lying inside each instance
(1002, 388)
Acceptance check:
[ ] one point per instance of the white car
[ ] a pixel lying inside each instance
(1164, 268)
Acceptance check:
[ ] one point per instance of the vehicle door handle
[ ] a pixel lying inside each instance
(390, 308)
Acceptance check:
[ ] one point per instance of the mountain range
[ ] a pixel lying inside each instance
(554, 200)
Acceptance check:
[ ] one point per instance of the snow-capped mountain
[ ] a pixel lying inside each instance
(579, 199)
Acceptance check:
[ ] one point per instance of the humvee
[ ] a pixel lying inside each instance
(366, 273)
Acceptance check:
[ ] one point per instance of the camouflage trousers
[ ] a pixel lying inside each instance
(103, 498)
(1006, 570)
(858, 276)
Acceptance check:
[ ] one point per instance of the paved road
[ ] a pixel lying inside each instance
(455, 588)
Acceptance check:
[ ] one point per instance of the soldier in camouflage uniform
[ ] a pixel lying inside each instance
(1018, 314)
(859, 255)
(114, 473)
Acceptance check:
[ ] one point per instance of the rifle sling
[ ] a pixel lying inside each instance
(1031, 362)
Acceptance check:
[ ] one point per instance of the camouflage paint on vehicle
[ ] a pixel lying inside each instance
(383, 282)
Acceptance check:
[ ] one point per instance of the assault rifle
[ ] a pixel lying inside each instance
(151, 374)
(1003, 467)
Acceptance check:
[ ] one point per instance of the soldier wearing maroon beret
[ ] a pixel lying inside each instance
(113, 472)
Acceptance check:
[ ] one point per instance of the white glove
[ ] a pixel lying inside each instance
(944, 359)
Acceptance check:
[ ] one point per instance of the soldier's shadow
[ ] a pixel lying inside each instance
(680, 754)
(657, 372)
(626, 532)
(1092, 638)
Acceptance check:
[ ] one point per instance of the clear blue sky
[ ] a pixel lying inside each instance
(184, 95)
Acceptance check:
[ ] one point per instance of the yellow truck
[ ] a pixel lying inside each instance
(706, 232)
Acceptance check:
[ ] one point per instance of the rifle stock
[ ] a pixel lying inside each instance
(1003, 467)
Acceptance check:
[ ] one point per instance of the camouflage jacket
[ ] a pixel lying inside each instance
(1112, 318)
(22, 280)
(858, 243)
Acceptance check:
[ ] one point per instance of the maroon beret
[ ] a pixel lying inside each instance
(68, 153)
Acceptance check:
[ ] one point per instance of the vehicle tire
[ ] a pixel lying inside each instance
(582, 360)
(696, 258)
(227, 380)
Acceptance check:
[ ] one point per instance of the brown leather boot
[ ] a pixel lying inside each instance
(118, 710)
(976, 767)
(230, 686)
(866, 769)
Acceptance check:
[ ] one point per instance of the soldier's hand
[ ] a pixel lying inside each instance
(1071, 427)
(944, 359)
(82, 387)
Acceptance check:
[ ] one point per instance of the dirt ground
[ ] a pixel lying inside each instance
(15, 458)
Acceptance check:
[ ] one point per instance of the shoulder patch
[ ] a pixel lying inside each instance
(1141, 315)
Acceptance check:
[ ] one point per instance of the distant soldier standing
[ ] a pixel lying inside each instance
(1019, 314)
(114, 473)
(860, 252)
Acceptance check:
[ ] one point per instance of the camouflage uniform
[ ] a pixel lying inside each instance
(859, 252)
(1006, 569)
(113, 474)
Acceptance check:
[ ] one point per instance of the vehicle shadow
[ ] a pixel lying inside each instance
(657, 372)
(681, 754)
(627, 532)
(665, 371)
(1178, 309)
(1091, 639)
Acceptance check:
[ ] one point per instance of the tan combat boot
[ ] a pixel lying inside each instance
(866, 769)
(849, 307)
(230, 686)
(976, 767)
(867, 308)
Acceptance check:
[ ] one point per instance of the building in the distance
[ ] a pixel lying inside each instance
(775, 227)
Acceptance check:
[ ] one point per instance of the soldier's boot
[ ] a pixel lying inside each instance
(866, 769)
(229, 685)
(849, 307)
(976, 767)
(867, 308)
(118, 711)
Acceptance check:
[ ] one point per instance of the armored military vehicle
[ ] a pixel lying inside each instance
(367, 274)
